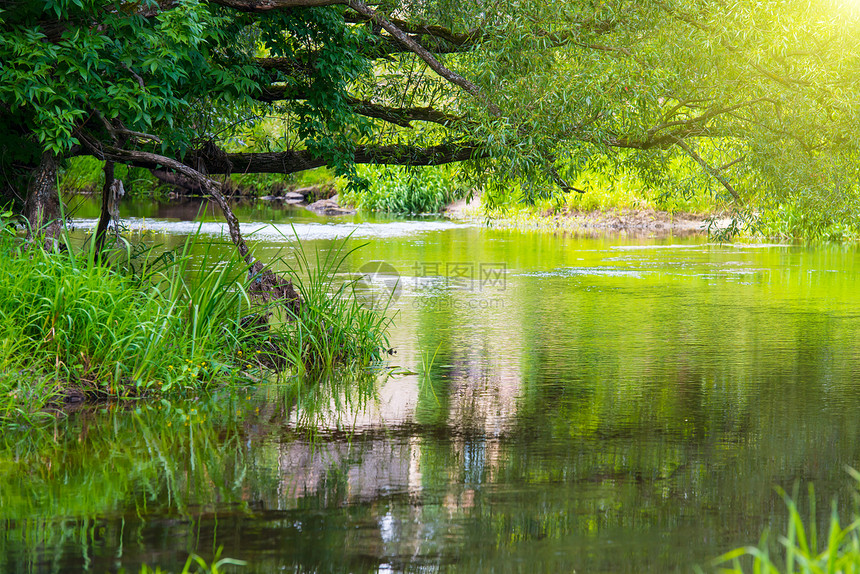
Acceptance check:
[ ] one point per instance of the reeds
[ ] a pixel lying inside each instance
(801, 551)
(332, 327)
(75, 328)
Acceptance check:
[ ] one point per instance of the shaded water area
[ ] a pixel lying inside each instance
(557, 404)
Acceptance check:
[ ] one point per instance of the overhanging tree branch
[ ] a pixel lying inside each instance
(267, 5)
(300, 160)
(401, 116)
(457, 39)
(425, 55)
(708, 115)
(265, 282)
(475, 35)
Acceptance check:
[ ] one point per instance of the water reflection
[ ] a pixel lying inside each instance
(611, 406)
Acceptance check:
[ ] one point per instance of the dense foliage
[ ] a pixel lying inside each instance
(394, 189)
(754, 102)
(121, 71)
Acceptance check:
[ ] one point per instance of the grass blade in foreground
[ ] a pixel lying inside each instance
(841, 554)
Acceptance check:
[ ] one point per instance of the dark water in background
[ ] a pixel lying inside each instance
(609, 404)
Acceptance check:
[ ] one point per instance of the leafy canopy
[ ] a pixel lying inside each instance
(753, 101)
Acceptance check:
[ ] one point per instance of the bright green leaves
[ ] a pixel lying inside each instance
(185, 72)
(327, 52)
(75, 60)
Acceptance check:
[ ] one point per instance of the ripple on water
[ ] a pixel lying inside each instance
(284, 232)
(579, 271)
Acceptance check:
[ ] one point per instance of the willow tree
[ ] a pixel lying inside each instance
(755, 101)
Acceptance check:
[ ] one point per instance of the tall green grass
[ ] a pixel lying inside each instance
(801, 550)
(141, 326)
(73, 327)
(333, 327)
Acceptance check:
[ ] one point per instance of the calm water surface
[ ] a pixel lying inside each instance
(556, 404)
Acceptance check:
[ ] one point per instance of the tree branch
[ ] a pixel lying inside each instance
(398, 116)
(281, 93)
(402, 116)
(300, 160)
(475, 35)
(449, 36)
(665, 141)
(265, 282)
(152, 160)
(708, 115)
(289, 66)
(715, 173)
(425, 55)
(266, 5)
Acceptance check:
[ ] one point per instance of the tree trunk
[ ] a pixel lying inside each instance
(182, 184)
(111, 194)
(44, 211)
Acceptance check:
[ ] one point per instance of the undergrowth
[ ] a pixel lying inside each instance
(395, 189)
(141, 325)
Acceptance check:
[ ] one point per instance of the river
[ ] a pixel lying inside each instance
(556, 403)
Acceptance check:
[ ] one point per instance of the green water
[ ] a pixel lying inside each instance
(608, 404)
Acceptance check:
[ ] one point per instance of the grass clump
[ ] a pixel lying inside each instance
(197, 565)
(801, 550)
(332, 328)
(72, 328)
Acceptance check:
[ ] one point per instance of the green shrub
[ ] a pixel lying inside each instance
(394, 189)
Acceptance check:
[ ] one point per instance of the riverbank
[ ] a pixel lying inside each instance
(628, 221)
